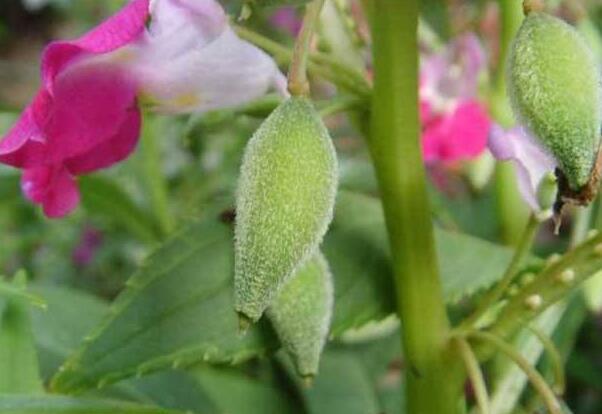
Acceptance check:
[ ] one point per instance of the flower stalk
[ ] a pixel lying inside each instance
(520, 254)
(434, 382)
(297, 74)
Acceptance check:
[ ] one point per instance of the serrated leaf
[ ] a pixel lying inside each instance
(65, 405)
(468, 264)
(19, 372)
(177, 309)
(358, 253)
(103, 197)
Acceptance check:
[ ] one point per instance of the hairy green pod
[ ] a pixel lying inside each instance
(285, 200)
(301, 314)
(554, 85)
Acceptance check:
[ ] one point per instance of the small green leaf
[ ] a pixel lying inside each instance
(177, 310)
(105, 198)
(66, 405)
(19, 372)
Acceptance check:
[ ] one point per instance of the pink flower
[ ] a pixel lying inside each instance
(455, 125)
(86, 116)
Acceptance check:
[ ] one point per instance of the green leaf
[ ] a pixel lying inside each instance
(177, 310)
(58, 331)
(66, 405)
(103, 197)
(19, 372)
(235, 393)
(468, 264)
(358, 253)
(342, 387)
(71, 315)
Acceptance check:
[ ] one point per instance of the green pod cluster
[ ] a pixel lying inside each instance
(301, 314)
(554, 85)
(285, 201)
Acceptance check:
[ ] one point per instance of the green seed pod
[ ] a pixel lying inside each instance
(554, 85)
(301, 314)
(285, 201)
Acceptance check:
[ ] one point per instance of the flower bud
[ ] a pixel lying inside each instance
(301, 314)
(285, 201)
(547, 191)
(554, 85)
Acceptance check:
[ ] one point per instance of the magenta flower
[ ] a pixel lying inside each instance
(532, 162)
(286, 19)
(455, 124)
(86, 116)
(90, 241)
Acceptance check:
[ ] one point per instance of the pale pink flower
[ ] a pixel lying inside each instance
(531, 160)
(86, 116)
(455, 125)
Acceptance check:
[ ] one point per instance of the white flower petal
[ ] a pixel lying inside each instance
(227, 71)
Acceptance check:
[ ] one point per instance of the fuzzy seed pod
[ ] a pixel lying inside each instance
(285, 201)
(301, 314)
(554, 85)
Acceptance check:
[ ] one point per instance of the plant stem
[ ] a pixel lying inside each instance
(318, 64)
(297, 74)
(512, 211)
(554, 356)
(152, 163)
(495, 294)
(475, 374)
(538, 382)
(434, 382)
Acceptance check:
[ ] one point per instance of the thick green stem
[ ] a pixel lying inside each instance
(434, 382)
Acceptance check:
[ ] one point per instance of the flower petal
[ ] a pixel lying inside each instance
(122, 28)
(23, 145)
(91, 103)
(532, 162)
(453, 73)
(459, 135)
(53, 187)
(111, 151)
(226, 72)
(178, 25)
